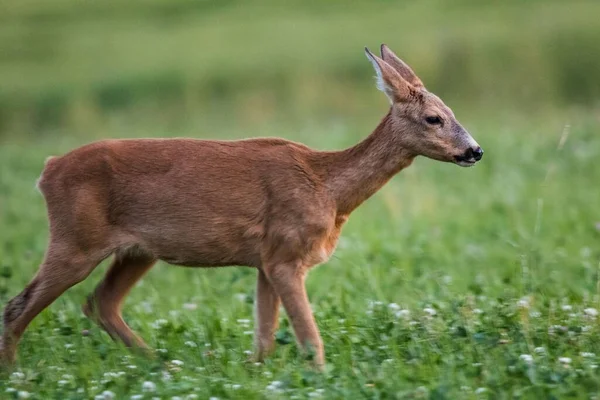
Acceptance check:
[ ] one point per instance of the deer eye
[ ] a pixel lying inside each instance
(433, 120)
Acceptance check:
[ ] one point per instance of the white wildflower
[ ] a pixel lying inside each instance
(17, 376)
(10, 390)
(430, 311)
(248, 352)
(62, 382)
(248, 333)
(108, 395)
(480, 390)
(586, 354)
(179, 363)
(192, 396)
(539, 350)
(190, 306)
(240, 297)
(566, 307)
(477, 311)
(137, 397)
(402, 314)
(591, 312)
(189, 343)
(393, 306)
(159, 323)
(148, 386)
(527, 358)
(243, 321)
(23, 394)
(564, 360)
(176, 398)
(523, 303)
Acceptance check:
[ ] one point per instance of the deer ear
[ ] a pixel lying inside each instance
(388, 80)
(400, 66)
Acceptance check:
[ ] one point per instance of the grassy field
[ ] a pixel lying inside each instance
(450, 283)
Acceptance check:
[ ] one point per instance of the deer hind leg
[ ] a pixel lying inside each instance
(288, 281)
(267, 317)
(62, 268)
(104, 305)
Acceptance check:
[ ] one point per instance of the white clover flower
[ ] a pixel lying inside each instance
(430, 311)
(402, 314)
(523, 303)
(393, 306)
(17, 376)
(159, 323)
(108, 395)
(527, 358)
(148, 386)
(240, 297)
(62, 382)
(23, 394)
(179, 363)
(564, 360)
(591, 312)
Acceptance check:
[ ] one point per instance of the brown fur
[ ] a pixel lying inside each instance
(271, 204)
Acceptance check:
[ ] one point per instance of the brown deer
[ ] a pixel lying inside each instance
(271, 204)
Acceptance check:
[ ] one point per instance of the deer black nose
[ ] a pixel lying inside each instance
(477, 153)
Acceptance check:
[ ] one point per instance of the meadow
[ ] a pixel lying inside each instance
(450, 283)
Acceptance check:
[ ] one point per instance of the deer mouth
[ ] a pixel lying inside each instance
(464, 161)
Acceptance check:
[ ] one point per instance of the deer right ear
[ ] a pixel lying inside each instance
(396, 88)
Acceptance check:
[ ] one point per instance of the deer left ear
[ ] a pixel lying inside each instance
(400, 66)
(396, 88)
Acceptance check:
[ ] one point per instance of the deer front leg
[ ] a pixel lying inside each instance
(267, 317)
(288, 282)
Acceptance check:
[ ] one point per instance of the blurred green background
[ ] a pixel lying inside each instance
(77, 67)
(521, 227)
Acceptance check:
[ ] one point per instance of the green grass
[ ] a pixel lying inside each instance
(470, 244)
(449, 283)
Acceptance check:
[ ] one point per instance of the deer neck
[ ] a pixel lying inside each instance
(355, 174)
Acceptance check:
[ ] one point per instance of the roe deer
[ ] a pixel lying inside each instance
(271, 204)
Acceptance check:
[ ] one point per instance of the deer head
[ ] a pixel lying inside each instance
(423, 124)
